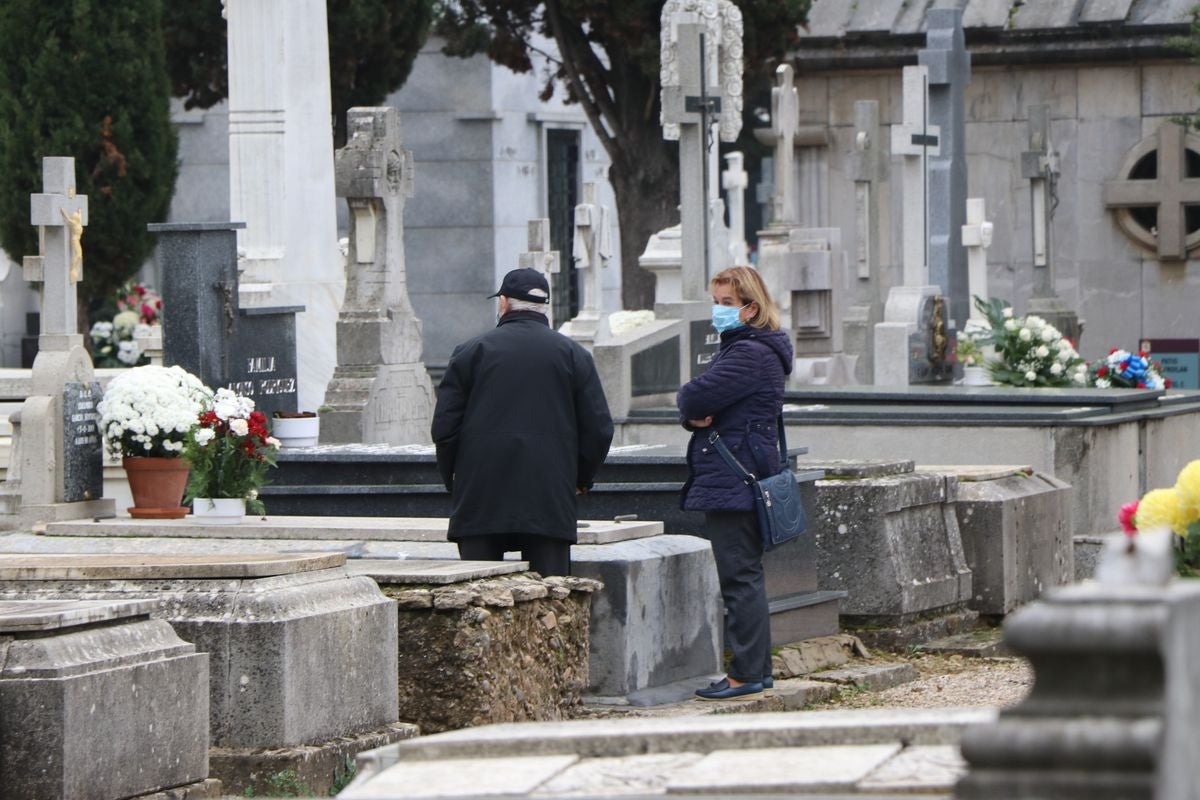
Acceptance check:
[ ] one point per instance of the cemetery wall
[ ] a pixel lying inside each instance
(1098, 113)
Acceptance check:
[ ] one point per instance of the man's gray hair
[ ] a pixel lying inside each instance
(524, 305)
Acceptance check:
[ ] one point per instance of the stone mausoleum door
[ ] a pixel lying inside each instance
(562, 195)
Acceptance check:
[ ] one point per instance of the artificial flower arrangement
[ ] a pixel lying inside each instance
(1177, 508)
(149, 410)
(130, 313)
(968, 350)
(1121, 369)
(1029, 351)
(230, 450)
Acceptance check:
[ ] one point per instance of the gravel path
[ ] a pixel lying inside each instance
(947, 681)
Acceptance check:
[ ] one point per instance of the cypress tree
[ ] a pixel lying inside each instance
(87, 78)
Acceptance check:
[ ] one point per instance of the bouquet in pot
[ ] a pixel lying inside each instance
(148, 411)
(231, 451)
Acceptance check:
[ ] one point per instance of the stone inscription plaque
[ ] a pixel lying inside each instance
(1178, 358)
(262, 359)
(705, 343)
(83, 465)
(655, 370)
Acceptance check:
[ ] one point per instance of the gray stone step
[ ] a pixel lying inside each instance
(980, 643)
(870, 677)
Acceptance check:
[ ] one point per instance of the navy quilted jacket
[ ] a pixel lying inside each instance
(742, 390)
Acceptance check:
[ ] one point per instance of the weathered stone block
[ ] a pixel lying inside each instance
(105, 704)
(485, 658)
(893, 544)
(1016, 533)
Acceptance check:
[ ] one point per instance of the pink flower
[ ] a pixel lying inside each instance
(1125, 517)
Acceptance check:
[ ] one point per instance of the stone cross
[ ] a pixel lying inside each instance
(867, 169)
(785, 119)
(701, 78)
(735, 180)
(1039, 164)
(539, 255)
(61, 215)
(1170, 192)
(373, 172)
(977, 238)
(916, 140)
(949, 64)
(593, 246)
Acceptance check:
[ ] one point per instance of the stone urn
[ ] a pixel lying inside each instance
(157, 485)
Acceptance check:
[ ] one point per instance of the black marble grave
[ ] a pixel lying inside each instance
(655, 370)
(208, 333)
(83, 465)
(705, 342)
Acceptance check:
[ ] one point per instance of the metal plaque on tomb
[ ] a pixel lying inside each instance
(655, 370)
(83, 466)
(704, 345)
(262, 359)
(1178, 359)
(930, 347)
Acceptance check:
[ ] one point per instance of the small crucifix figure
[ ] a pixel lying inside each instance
(61, 215)
(785, 119)
(1039, 164)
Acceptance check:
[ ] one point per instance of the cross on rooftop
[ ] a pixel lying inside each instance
(1171, 192)
(62, 215)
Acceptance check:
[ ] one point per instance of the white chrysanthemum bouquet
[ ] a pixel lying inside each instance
(148, 411)
(1029, 351)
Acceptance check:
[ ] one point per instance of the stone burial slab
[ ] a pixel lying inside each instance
(1016, 533)
(467, 778)
(785, 770)
(728, 754)
(93, 566)
(431, 571)
(98, 701)
(301, 651)
(395, 529)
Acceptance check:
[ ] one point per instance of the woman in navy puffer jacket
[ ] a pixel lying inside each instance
(740, 396)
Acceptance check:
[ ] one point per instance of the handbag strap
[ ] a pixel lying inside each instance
(746, 475)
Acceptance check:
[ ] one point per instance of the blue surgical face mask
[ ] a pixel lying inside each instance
(726, 318)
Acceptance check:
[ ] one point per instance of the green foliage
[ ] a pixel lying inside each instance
(230, 452)
(1187, 552)
(343, 776)
(87, 80)
(1030, 352)
(372, 46)
(287, 784)
(1189, 45)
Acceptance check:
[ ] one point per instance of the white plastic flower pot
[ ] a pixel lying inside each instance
(975, 376)
(296, 431)
(219, 510)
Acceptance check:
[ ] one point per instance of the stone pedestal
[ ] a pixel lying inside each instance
(302, 652)
(1016, 533)
(1115, 706)
(913, 341)
(98, 701)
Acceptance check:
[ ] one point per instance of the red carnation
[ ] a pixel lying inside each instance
(1141, 385)
(1167, 382)
(209, 418)
(1100, 373)
(1110, 352)
(139, 289)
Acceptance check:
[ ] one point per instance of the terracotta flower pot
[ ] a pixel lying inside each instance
(157, 486)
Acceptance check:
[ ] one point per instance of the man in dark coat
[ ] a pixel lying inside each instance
(521, 426)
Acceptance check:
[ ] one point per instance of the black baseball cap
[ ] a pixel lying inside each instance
(520, 284)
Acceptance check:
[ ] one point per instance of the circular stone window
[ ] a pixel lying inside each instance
(1140, 222)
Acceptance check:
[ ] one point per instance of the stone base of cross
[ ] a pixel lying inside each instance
(49, 463)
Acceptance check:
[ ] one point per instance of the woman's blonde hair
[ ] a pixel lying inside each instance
(748, 285)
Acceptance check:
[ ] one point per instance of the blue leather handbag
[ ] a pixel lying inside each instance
(777, 498)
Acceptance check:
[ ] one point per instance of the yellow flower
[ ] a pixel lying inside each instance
(1188, 487)
(1161, 508)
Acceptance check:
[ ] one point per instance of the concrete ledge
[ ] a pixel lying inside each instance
(315, 769)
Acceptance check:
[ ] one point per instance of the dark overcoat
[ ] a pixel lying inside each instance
(742, 390)
(521, 422)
